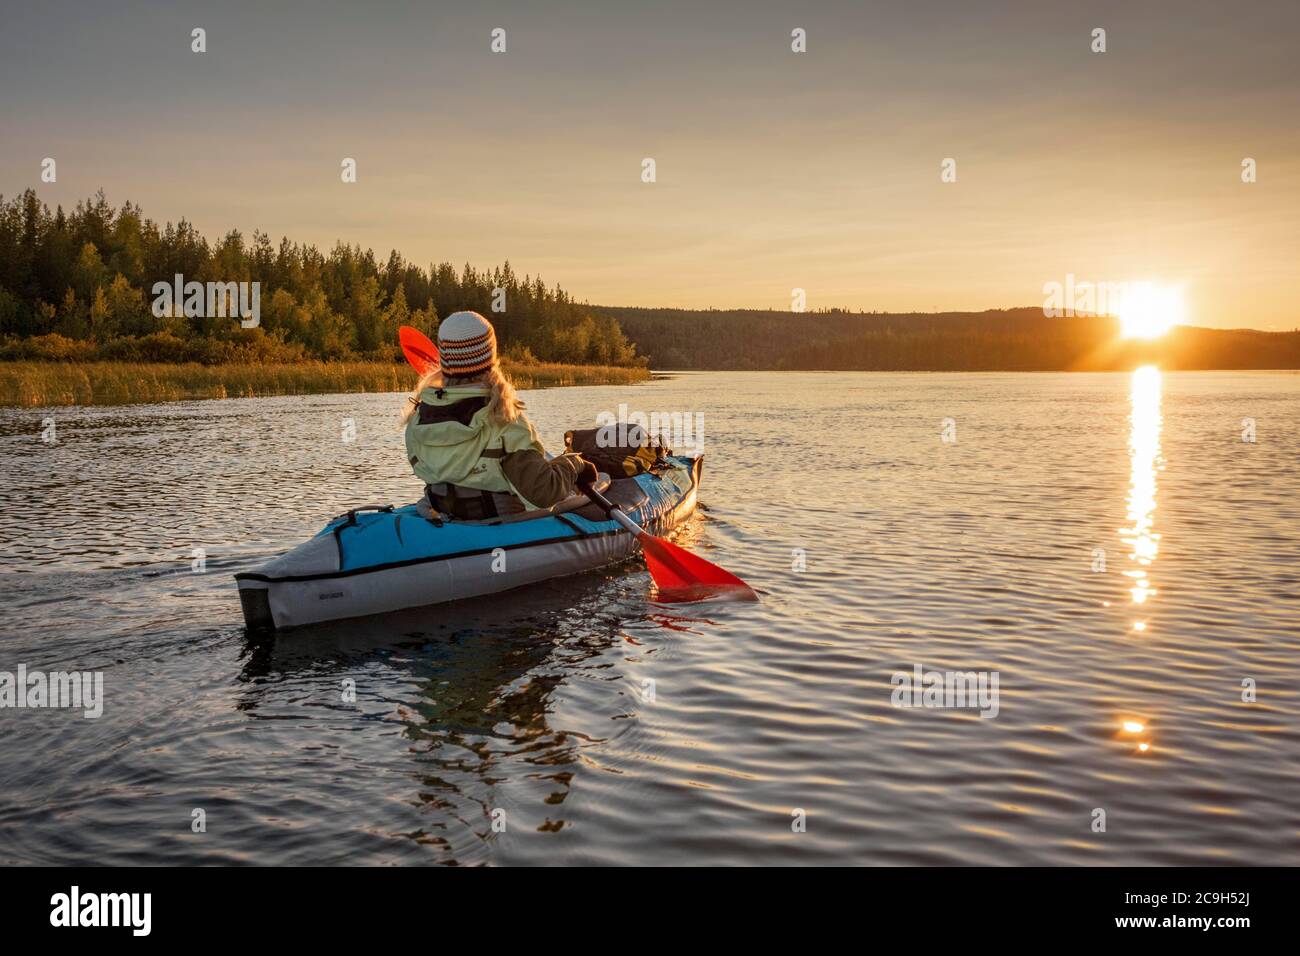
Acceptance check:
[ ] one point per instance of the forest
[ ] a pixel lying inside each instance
(1020, 339)
(77, 286)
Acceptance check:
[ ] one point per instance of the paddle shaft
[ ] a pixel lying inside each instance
(614, 511)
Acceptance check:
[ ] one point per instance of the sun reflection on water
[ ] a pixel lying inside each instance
(1140, 537)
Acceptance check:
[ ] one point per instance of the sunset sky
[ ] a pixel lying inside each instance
(775, 169)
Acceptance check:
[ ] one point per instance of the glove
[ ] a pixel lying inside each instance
(588, 474)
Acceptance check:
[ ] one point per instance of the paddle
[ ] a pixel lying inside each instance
(419, 351)
(678, 574)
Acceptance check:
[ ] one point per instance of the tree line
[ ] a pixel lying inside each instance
(79, 285)
(997, 340)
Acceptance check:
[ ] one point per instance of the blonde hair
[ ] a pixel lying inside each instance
(504, 404)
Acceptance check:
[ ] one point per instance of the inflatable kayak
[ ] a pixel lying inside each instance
(379, 559)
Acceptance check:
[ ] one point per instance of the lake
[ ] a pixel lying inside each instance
(1106, 547)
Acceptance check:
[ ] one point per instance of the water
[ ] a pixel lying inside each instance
(977, 555)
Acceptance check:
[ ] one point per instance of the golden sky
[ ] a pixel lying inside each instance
(775, 169)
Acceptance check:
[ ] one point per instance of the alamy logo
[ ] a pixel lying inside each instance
(946, 689)
(57, 689)
(103, 909)
(215, 300)
(681, 431)
(1082, 297)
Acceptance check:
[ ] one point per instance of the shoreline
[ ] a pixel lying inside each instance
(37, 384)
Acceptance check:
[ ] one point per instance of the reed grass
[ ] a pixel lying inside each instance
(37, 384)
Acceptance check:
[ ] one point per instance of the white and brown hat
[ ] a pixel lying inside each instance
(467, 344)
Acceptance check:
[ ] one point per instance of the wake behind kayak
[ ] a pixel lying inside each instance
(381, 559)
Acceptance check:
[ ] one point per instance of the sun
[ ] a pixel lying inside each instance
(1149, 310)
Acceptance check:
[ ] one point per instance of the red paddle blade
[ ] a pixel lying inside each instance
(682, 576)
(419, 351)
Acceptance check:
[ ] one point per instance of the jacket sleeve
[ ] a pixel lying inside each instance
(541, 482)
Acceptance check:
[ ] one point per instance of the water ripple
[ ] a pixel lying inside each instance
(579, 722)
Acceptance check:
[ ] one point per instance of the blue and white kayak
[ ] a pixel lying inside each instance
(380, 559)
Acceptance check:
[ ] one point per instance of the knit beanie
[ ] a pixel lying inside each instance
(467, 345)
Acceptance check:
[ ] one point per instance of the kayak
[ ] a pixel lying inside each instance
(378, 559)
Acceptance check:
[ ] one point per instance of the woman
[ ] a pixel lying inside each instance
(467, 436)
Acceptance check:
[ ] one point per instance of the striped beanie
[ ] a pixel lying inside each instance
(466, 344)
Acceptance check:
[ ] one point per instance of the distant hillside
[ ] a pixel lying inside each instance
(1010, 339)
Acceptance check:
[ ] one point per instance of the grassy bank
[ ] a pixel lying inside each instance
(32, 384)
